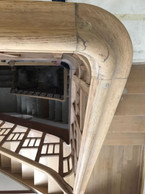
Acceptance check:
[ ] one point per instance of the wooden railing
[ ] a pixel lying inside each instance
(15, 140)
(98, 39)
(27, 138)
(37, 166)
(57, 131)
(79, 96)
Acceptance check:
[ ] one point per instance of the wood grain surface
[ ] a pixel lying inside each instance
(117, 171)
(85, 30)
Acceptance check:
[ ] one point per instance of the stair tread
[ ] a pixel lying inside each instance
(51, 110)
(29, 105)
(58, 111)
(23, 104)
(18, 104)
(65, 113)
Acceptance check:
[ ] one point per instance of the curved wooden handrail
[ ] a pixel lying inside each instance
(53, 130)
(87, 31)
(106, 44)
(59, 180)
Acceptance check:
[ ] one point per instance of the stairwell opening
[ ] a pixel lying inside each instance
(36, 91)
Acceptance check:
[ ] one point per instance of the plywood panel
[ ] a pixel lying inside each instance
(116, 171)
(127, 124)
(131, 105)
(133, 100)
(125, 139)
(119, 167)
(32, 23)
(136, 80)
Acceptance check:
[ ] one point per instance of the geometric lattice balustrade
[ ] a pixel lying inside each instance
(37, 146)
(41, 145)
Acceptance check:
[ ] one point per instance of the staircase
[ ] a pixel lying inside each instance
(57, 111)
(47, 109)
(38, 160)
(36, 180)
(45, 82)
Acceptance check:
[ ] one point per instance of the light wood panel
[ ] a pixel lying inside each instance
(127, 124)
(131, 105)
(119, 167)
(125, 139)
(20, 22)
(117, 171)
(136, 80)
(133, 100)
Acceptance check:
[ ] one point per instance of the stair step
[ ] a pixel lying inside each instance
(5, 162)
(27, 172)
(53, 186)
(29, 105)
(39, 107)
(18, 104)
(16, 167)
(40, 178)
(34, 107)
(51, 110)
(65, 113)
(23, 104)
(58, 111)
(45, 108)
(51, 162)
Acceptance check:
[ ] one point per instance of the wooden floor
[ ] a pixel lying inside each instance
(120, 165)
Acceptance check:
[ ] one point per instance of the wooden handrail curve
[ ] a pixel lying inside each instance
(57, 131)
(84, 30)
(35, 165)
